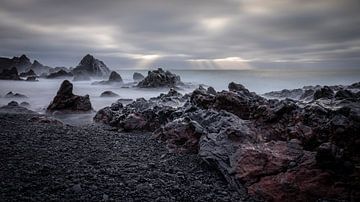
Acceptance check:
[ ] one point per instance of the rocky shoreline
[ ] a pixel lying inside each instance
(289, 145)
(281, 150)
(46, 160)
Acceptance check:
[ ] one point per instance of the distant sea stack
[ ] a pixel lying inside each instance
(39, 68)
(10, 74)
(138, 76)
(21, 63)
(160, 78)
(66, 101)
(91, 66)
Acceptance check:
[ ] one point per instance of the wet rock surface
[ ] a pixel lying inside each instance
(138, 76)
(108, 94)
(280, 150)
(53, 162)
(15, 95)
(10, 74)
(114, 78)
(160, 78)
(28, 73)
(59, 74)
(91, 66)
(66, 101)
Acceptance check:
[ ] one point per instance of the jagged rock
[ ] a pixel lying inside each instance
(281, 150)
(45, 120)
(92, 67)
(14, 107)
(10, 74)
(28, 73)
(15, 95)
(293, 94)
(31, 78)
(344, 94)
(21, 63)
(56, 69)
(59, 74)
(24, 104)
(81, 77)
(160, 78)
(114, 78)
(66, 101)
(108, 94)
(138, 76)
(39, 68)
(324, 92)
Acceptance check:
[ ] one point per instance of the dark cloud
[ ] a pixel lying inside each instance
(184, 34)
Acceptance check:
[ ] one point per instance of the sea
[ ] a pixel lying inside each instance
(41, 93)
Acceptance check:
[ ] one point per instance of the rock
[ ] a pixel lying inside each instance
(138, 76)
(109, 94)
(92, 67)
(45, 120)
(20, 63)
(31, 78)
(293, 94)
(344, 94)
(24, 104)
(115, 77)
(324, 92)
(81, 77)
(14, 108)
(77, 188)
(160, 78)
(66, 101)
(15, 95)
(28, 73)
(59, 74)
(10, 74)
(39, 68)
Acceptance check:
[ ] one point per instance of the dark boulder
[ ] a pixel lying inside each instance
(21, 63)
(59, 74)
(15, 95)
(10, 74)
(160, 78)
(138, 76)
(14, 107)
(28, 73)
(344, 94)
(31, 78)
(324, 92)
(109, 94)
(115, 77)
(92, 67)
(66, 101)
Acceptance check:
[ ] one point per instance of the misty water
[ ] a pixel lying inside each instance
(41, 93)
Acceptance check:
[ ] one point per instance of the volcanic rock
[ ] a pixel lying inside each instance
(108, 94)
(66, 101)
(31, 78)
(28, 73)
(59, 74)
(14, 95)
(160, 78)
(92, 67)
(138, 76)
(10, 74)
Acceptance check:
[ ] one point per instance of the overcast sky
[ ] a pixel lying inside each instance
(224, 34)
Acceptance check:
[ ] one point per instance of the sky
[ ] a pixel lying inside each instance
(180, 34)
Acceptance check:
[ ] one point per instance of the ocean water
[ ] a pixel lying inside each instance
(41, 93)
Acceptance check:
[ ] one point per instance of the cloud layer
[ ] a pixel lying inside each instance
(225, 34)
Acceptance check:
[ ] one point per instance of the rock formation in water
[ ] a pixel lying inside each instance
(81, 77)
(10, 74)
(59, 74)
(14, 95)
(28, 73)
(114, 78)
(160, 78)
(138, 76)
(92, 67)
(108, 94)
(39, 68)
(280, 150)
(14, 107)
(66, 101)
(21, 63)
(31, 78)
